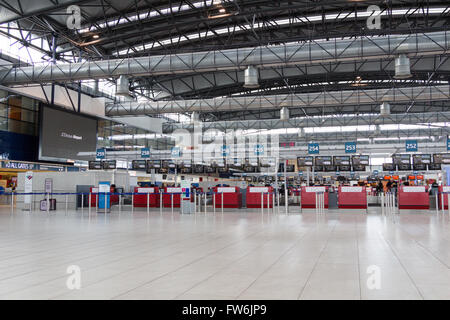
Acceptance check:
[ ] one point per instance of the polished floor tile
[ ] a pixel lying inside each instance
(235, 255)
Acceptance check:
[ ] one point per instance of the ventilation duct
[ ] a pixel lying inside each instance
(123, 86)
(402, 67)
(284, 114)
(251, 78)
(385, 109)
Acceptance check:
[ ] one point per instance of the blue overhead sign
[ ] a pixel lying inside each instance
(350, 147)
(145, 153)
(176, 152)
(448, 143)
(313, 148)
(101, 154)
(411, 146)
(258, 150)
(225, 151)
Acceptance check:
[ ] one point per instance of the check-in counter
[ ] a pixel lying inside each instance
(352, 197)
(413, 197)
(143, 193)
(255, 200)
(232, 197)
(172, 193)
(444, 192)
(308, 197)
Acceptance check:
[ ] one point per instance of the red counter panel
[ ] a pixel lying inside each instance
(446, 190)
(232, 198)
(254, 197)
(352, 197)
(167, 202)
(140, 200)
(413, 197)
(308, 197)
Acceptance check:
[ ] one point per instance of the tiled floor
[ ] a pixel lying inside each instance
(237, 255)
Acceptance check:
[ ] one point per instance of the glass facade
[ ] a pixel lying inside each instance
(18, 114)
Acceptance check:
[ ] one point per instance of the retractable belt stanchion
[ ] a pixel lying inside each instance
(89, 203)
(222, 202)
(268, 202)
(160, 201)
(106, 198)
(214, 202)
(448, 203)
(96, 201)
(205, 201)
(195, 202)
(437, 202)
(48, 203)
(273, 201)
(132, 201)
(262, 202)
(278, 202)
(171, 201)
(120, 203)
(148, 202)
(66, 203)
(82, 203)
(382, 204)
(12, 202)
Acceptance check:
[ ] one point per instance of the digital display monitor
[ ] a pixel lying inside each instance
(388, 167)
(323, 161)
(329, 168)
(420, 166)
(250, 169)
(341, 160)
(109, 164)
(318, 168)
(401, 159)
(307, 161)
(210, 169)
(434, 166)
(65, 135)
(441, 158)
(223, 169)
(199, 168)
(185, 167)
(421, 159)
(95, 165)
(359, 168)
(139, 164)
(404, 167)
(360, 160)
(345, 168)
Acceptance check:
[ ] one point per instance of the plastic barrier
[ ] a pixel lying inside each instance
(444, 192)
(172, 194)
(413, 197)
(140, 199)
(308, 198)
(232, 198)
(352, 197)
(255, 200)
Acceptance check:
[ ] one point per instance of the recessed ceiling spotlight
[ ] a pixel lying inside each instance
(96, 36)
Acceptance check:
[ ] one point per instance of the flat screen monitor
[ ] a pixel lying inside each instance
(109, 164)
(421, 159)
(360, 160)
(388, 167)
(95, 165)
(341, 160)
(323, 161)
(65, 135)
(139, 164)
(307, 161)
(441, 158)
(359, 168)
(401, 159)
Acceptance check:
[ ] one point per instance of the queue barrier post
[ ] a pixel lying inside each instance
(89, 203)
(222, 202)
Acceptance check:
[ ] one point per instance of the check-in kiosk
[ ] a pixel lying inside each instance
(413, 197)
(172, 193)
(140, 197)
(352, 197)
(308, 197)
(232, 198)
(113, 199)
(254, 198)
(444, 192)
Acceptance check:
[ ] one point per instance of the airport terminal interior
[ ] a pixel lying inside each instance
(224, 150)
